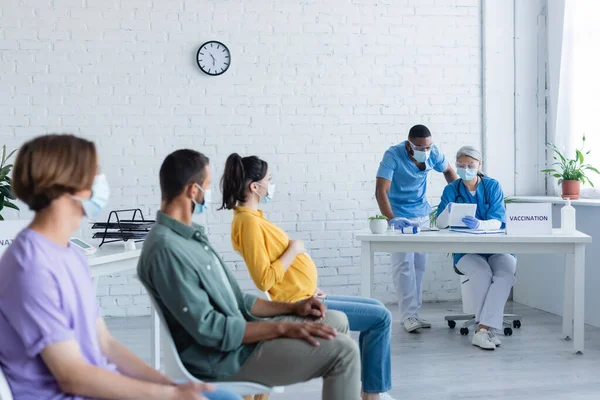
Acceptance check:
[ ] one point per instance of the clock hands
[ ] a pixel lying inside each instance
(213, 59)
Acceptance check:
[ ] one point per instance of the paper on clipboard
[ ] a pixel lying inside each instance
(474, 232)
(459, 211)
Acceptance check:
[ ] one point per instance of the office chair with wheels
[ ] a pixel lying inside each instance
(510, 320)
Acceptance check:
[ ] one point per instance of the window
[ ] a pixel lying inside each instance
(576, 88)
(586, 78)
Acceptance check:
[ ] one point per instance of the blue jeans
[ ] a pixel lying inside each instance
(221, 394)
(374, 322)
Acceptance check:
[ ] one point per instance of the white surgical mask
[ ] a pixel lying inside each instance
(99, 198)
(200, 208)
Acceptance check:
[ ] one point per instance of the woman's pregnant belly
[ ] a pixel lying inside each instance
(299, 281)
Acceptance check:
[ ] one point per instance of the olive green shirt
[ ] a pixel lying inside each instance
(204, 308)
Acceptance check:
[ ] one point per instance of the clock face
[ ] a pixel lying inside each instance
(213, 58)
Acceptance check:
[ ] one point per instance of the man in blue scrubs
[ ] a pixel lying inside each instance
(400, 193)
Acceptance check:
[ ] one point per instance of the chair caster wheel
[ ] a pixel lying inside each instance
(451, 324)
(508, 332)
(517, 324)
(464, 331)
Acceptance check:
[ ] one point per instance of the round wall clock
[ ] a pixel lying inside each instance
(213, 58)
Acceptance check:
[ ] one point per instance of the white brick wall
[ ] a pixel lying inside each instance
(318, 89)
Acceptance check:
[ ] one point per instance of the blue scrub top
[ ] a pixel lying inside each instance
(409, 183)
(489, 198)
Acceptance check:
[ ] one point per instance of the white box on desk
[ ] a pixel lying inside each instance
(529, 219)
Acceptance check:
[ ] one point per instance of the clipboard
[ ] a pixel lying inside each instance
(459, 211)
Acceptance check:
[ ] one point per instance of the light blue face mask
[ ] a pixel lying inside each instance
(200, 208)
(270, 193)
(466, 174)
(100, 195)
(421, 156)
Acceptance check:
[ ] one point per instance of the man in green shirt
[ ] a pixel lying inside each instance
(224, 334)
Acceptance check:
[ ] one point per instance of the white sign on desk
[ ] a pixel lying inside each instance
(9, 231)
(529, 219)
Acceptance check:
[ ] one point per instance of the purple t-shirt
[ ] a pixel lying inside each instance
(46, 296)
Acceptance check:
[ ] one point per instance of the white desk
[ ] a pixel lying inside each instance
(112, 259)
(451, 242)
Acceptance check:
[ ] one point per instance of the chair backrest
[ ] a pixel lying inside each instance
(174, 368)
(5, 393)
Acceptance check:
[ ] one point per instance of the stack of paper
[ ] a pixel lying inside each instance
(474, 232)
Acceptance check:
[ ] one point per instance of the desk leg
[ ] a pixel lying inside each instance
(367, 269)
(568, 297)
(155, 339)
(579, 303)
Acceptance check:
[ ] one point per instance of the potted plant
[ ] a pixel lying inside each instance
(6, 194)
(570, 172)
(378, 224)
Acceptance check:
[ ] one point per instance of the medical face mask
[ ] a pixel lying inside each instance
(100, 195)
(421, 156)
(200, 208)
(270, 193)
(466, 174)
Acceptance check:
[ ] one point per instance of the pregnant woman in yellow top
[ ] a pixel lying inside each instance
(283, 268)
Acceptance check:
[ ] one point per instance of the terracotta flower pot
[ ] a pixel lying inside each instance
(570, 189)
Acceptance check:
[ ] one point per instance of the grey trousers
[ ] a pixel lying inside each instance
(282, 362)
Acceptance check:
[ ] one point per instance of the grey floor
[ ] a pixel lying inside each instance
(438, 363)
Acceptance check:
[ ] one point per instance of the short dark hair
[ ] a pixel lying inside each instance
(179, 169)
(419, 131)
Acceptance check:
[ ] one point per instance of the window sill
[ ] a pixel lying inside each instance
(554, 200)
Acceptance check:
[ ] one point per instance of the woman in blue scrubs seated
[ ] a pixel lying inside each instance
(491, 276)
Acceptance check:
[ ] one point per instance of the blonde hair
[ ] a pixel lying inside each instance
(49, 166)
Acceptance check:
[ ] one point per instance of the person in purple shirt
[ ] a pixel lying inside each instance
(53, 342)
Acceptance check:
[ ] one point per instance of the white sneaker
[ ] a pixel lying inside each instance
(482, 339)
(385, 396)
(411, 324)
(494, 338)
(424, 323)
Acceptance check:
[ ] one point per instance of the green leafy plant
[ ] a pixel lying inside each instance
(565, 169)
(433, 217)
(6, 194)
(377, 216)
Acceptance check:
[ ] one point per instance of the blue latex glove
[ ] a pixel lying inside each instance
(449, 207)
(400, 223)
(471, 222)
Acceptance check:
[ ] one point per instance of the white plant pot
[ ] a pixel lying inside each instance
(378, 226)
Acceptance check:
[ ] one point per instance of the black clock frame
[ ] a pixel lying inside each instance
(225, 49)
